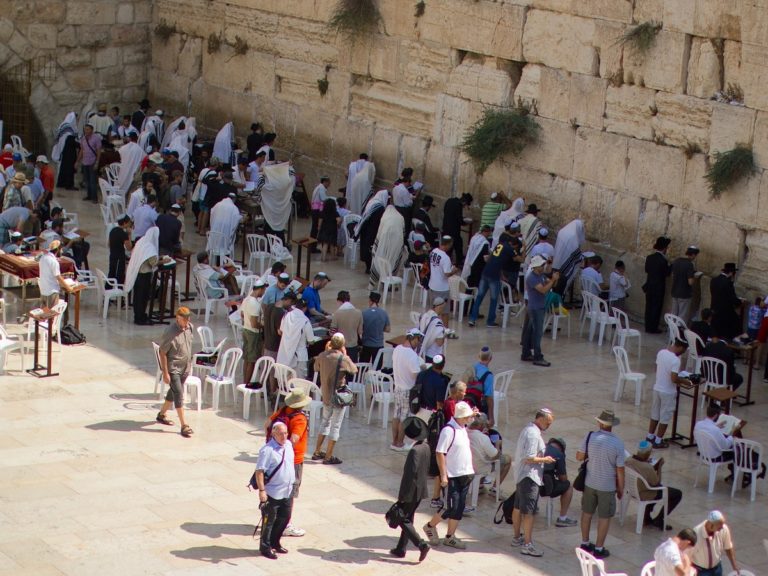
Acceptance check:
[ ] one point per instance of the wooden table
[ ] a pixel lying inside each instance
(677, 437)
(38, 370)
(304, 243)
(750, 351)
(722, 395)
(164, 280)
(76, 289)
(26, 268)
(185, 255)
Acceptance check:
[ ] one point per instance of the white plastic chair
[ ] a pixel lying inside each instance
(8, 346)
(206, 339)
(382, 386)
(261, 372)
(474, 488)
(714, 372)
(191, 383)
(202, 362)
(414, 317)
(108, 289)
(588, 564)
(111, 196)
(86, 278)
(18, 146)
(218, 246)
(387, 279)
(501, 383)
(553, 317)
(352, 245)
(744, 462)
(508, 304)
(626, 375)
(460, 293)
(675, 327)
(707, 444)
(631, 491)
(224, 375)
(208, 302)
(358, 385)
(624, 331)
(695, 343)
(383, 358)
(599, 314)
(283, 374)
(278, 252)
(417, 287)
(649, 569)
(113, 172)
(247, 284)
(258, 249)
(237, 328)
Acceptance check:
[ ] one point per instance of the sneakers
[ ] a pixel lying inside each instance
(492, 325)
(469, 509)
(471, 324)
(566, 522)
(295, 531)
(542, 362)
(601, 553)
(454, 542)
(661, 445)
(531, 550)
(588, 547)
(517, 541)
(486, 480)
(432, 535)
(436, 503)
(398, 448)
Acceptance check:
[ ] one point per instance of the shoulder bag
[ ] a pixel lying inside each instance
(581, 477)
(342, 395)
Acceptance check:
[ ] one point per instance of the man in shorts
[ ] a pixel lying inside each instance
(604, 481)
(253, 339)
(175, 364)
(406, 366)
(556, 483)
(529, 469)
(665, 391)
(454, 458)
(441, 268)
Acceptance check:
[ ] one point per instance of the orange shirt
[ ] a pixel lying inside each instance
(298, 425)
(47, 178)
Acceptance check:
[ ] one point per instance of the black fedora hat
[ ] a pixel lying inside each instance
(415, 428)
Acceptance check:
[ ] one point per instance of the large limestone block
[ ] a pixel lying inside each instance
(142, 12)
(165, 54)
(42, 36)
(561, 41)
(732, 63)
(549, 87)
(383, 59)
(136, 55)
(609, 50)
(683, 120)
(106, 57)
(74, 58)
(310, 10)
(563, 198)
(349, 139)
(597, 207)
(762, 203)
(652, 222)
(648, 10)
(496, 28)
(424, 65)
(236, 107)
(754, 75)
(731, 125)
(604, 9)
(386, 145)
(125, 14)
(751, 278)
(251, 73)
(399, 15)
(90, 13)
(440, 169)
(453, 119)
(191, 57)
(625, 211)
(473, 80)
(754, 21)
(760, 140)
(313, 129)
(127, 35)
(629, 111)
(655, 171)
(587, 100)
(400, 108)
(303, 40)
(553, 152)
(600, 158)
(704, 69)
(297, 82)
(663, 67)
(413, 153)
(706, 18)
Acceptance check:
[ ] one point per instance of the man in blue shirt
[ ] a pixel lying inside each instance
(311, 295)
(537, 285)
(433, 385)
(503, 261)
(276, 292)
(375, 323)
(479, 386)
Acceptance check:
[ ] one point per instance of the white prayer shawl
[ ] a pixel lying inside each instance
(146, 248)
(432, 327)
(529, 228)
(360, 186)
(273, 191)
(147, 130)
(568, 249)
(379, 200)
(131, 155)
(180, 144)
(171, 132)
(389, 243)
(138, 198)
(157, 124)
(266, 148)
(222, 146)
(225, 217)
(65, 130)
(476, 245)
(515, 212)
(191, 131)
(297, 333)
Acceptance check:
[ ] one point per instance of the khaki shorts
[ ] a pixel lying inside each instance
(602, 501)
(663, 407)
(445, 295)
(251, 346)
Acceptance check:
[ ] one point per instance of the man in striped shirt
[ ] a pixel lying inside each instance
(493, 208)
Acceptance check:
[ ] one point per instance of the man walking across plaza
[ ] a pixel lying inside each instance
(604, 452)
(253, 339)
(530, 459)
(536, 287)
(713, 539)
(175, 364)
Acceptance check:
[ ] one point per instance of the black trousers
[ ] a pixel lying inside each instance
(407, 531)
(457, 250)
(368, 353)
(117, 267)
(277, 514)
(141, 292)
(673, 499)
(654, 303)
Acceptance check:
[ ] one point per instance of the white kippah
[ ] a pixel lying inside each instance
(715, 516)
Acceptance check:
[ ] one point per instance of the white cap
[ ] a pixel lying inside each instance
(42, 158)
(159, 113)
(537, 261)
(494, 195)
(716, 516)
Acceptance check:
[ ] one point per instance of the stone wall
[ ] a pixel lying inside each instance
(100, 48)
(626, 139)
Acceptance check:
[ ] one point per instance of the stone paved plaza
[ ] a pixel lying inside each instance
(90, 484)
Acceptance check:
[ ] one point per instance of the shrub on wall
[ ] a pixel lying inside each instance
(640, 37)
(729, 167)
(499, 132)
(354, 19)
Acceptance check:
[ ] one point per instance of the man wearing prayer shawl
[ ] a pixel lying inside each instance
(296, 333)
(479, 248)
(529, 228)
(65, 151)
(222, 146)
(515, 213)
(273, 193)
(138, 276)
(131, 156)
(362, 173)
(368, 226)
(568, 253)
(225, 217)
(389, 244)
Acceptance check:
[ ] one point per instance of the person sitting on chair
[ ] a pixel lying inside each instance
(651, 473)
(556, 483)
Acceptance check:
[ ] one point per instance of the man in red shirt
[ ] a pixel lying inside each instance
(47, 177)
(6, 158)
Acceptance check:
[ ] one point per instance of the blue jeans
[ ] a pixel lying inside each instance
(494, 286)
(90, 176)
(532, 333)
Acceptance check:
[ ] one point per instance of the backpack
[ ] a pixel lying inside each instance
(414, 394)
(281, 416)
(504, 511)
(474, 396)
(71, 336)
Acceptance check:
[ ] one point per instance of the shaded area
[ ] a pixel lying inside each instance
(217, 530)
(378, 506)
(215, 554)
(125, 426)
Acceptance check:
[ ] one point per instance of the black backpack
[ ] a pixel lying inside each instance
(414, 394)
(504, 511)
(71, 336)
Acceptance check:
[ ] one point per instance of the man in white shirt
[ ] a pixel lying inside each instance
(712, 442)
(543, 248)
(319, 196)
(665, 391)
(440, 269)
(713, 537)
(254, 168)
(618, 286)
(139, 196)
(250, 312)
(406, 366)
(670, 556)
(592, 272)
(51, 282)
(484, 452)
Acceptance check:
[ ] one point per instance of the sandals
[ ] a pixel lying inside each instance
(318, 456)
(186, 431)
(163, 419)
(332, 460)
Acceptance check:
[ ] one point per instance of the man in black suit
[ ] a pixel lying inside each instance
(413, 486)
(717, 348)
(430, 233)
(724, 303)
(657, 270)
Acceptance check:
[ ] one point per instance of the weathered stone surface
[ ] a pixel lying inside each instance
(165, 54)
(553, 153)
(549, 88)
(313, 129)
(6, 30)
(103, 12)
(732, 63)
(625, 212)
(707, 18)
(762, 205)
(703, 69)
(349, 139)
(608, 49)
(648, 10)
(683, 120)
(38, 11)
(600, 158)
(453, 118)
(135, 54)
(66, 37)
(81, 79)
(386, 144)
(405, 110)
(93, 36)
(629, 111)
(413, 153)
(130, 34)
(482, 83)
(424, 66)
(496, 30)
(252, 72)
(663, 67)
(106, 57)
(760, 140)
(142, 12)
(42, 36)
(125, 13)
(752, 271)
(652, 222)
(731, 125)
(560, 41)
(754, 75)
(655, 171)
(440, 169)
(587, 100)
(754, 22)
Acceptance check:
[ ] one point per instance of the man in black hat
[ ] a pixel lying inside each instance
(430, 232)
(657, 269)
(724, 302)
(413, 486)
(532, 209)
(138, 117)
(453, 219)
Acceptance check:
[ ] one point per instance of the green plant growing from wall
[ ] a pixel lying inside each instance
(355, 19)
(322, 86)
(499, 132)
(164, 31)
(640, 37)
(214, 43)
(420, 8)
(729, 167)
(240, 46)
